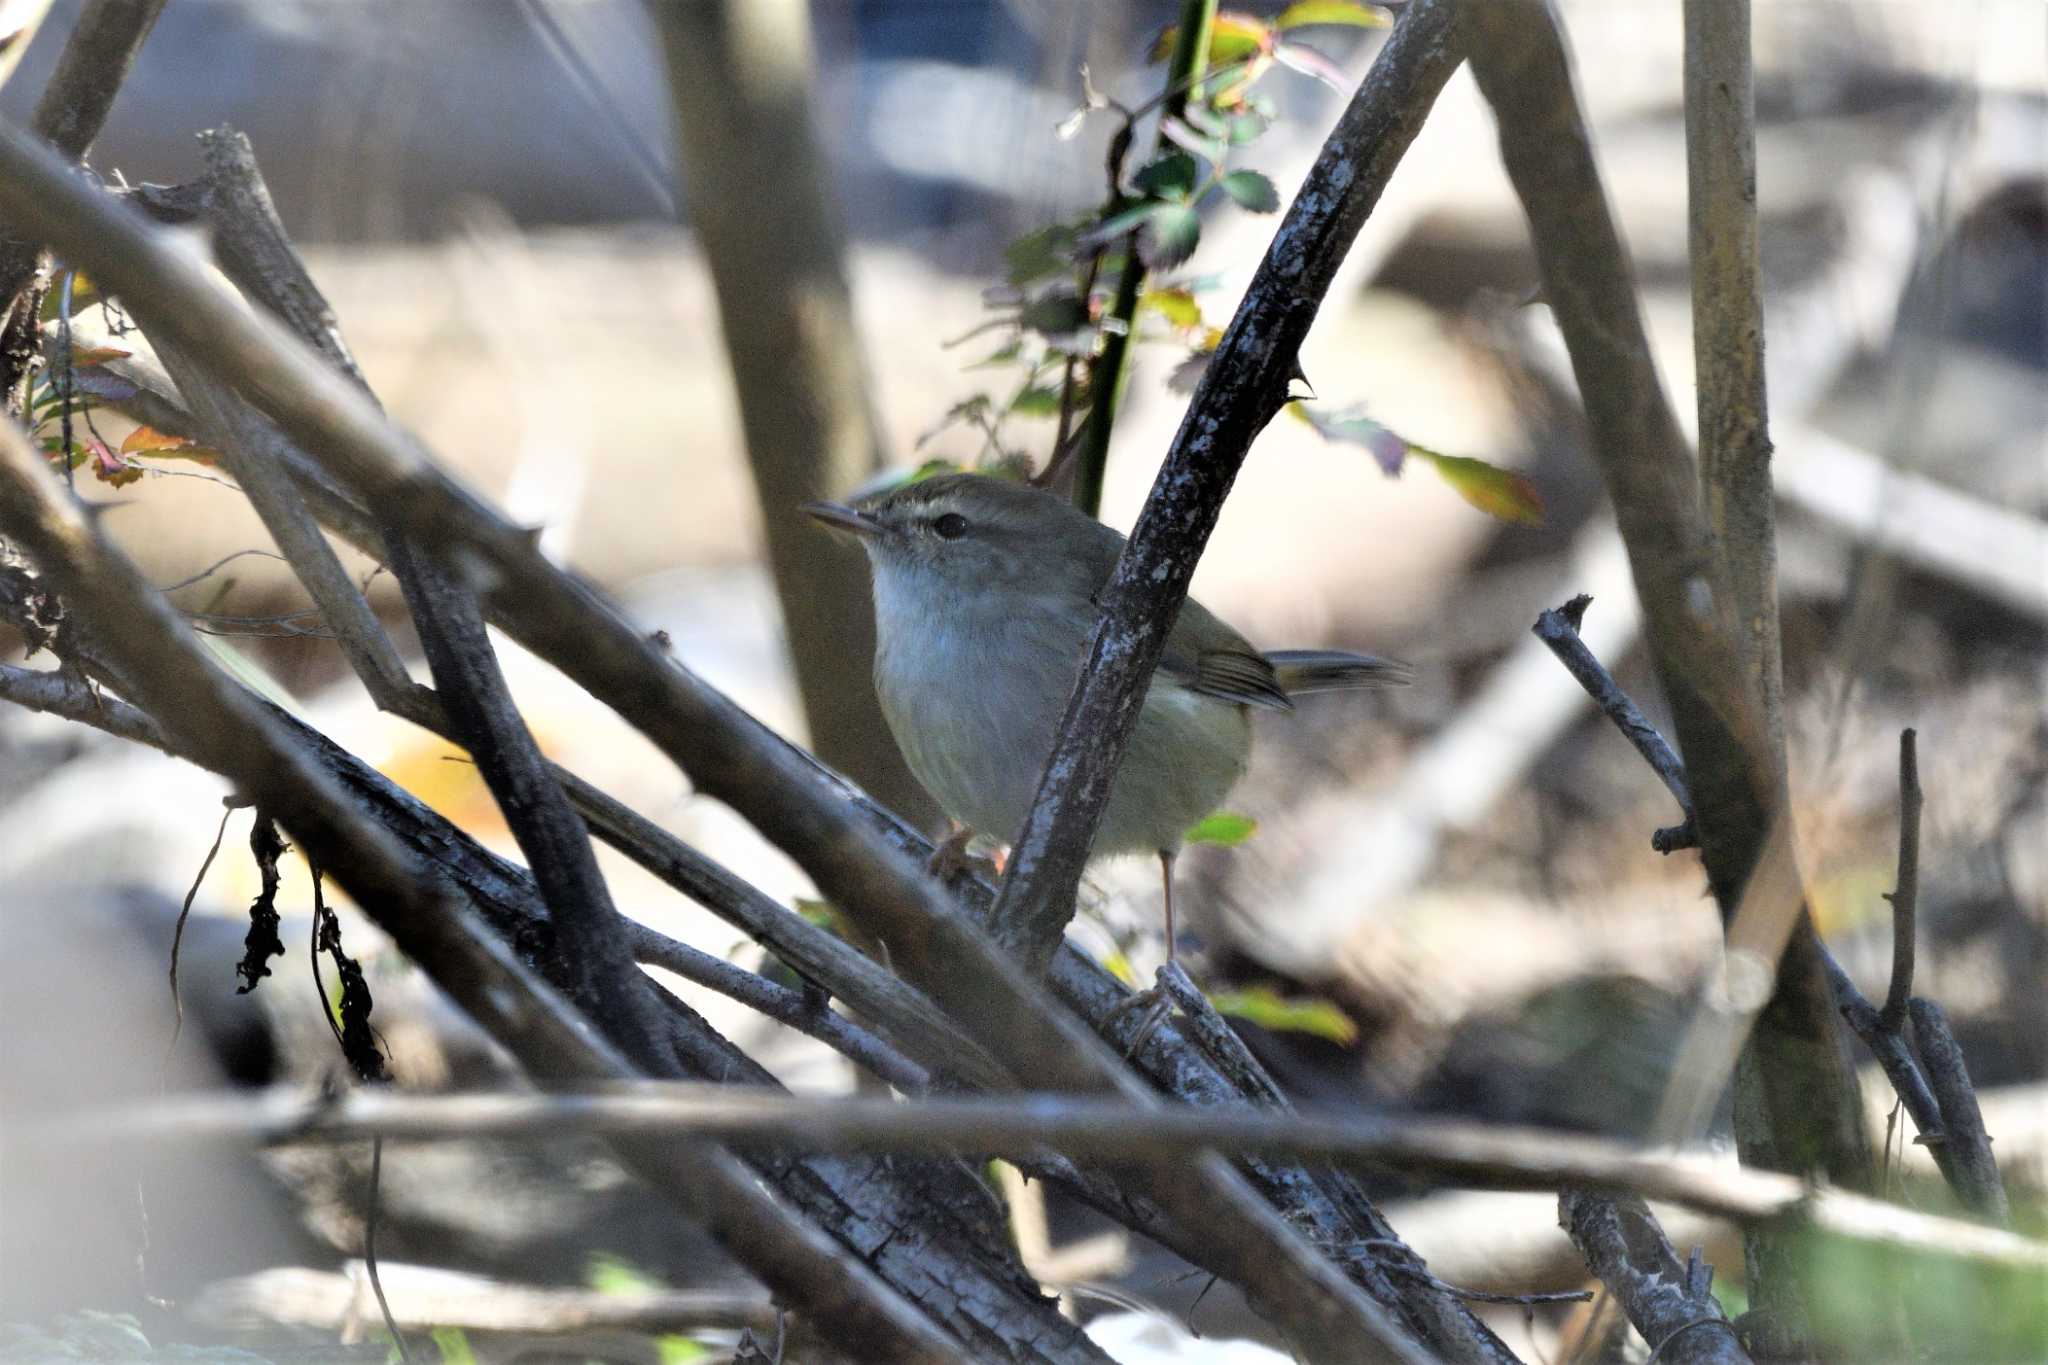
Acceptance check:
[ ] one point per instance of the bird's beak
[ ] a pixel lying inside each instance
(844, 518)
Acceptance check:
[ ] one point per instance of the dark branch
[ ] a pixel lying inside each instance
(1559, 629)
(1976, 1179)
(806, 1014)
(1624, 1246)
(1905, 897)
(1245, 384)
(165, 671)
(74, 106)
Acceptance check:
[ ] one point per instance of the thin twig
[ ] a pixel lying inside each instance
(1486, 1156)
(1905, 896)
(185, 913)
(1559, 629)
(785, 1006)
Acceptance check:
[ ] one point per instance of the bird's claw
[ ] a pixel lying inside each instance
(1156, 1004)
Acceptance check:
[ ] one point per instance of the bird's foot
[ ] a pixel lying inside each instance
(1155, 1003)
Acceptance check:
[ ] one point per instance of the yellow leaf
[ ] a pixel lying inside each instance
(1495, 491)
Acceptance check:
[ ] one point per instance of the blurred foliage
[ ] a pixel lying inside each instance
(1270, 1010)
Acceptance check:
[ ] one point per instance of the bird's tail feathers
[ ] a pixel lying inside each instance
(1332, 670)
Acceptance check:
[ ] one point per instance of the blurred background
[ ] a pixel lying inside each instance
(1450, 904)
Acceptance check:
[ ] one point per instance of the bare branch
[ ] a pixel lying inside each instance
(63, 694)
(162, 668)
(1245, 384)
(1975, 1177)
(805, 1014)
(1628, 1251)
(1728, 332)
(90, 70)
(1905, 897)
(1559, 629)
(1480, 1155)
(1803, 1112)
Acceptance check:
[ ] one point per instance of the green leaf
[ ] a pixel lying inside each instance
(453, 1344)
(1249, 126)
(1251, 190)
(611, 1274)
(1184, 134)
(1232, 37)
(1224, 829)
(1170, 176)
(1177, 305)
(1055, 315)
(1268, 1009)
(1305, 12)
(1037, 401)
(679, 1350)
(1116, 224)
(1498, 492)
(1038, 255)
(1170, 235)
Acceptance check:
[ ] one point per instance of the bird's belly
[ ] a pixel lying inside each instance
(979, 743)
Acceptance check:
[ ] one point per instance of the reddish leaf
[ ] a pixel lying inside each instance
(108, 466)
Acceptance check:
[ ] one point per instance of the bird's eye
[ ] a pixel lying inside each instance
(951, 526)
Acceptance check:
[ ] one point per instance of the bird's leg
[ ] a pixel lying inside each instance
(1154, 998)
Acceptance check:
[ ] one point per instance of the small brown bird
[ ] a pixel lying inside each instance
(985, 597)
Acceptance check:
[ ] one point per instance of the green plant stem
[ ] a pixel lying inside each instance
(1183, 73)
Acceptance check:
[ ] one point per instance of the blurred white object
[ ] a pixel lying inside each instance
(1145, 1338)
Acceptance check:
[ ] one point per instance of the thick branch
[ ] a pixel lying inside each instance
(1245, 384)
(1628, 1251)
(757, 192)
(1805, 1115)
(163, 669)
(74, 106)
(727, 754)
(1728, 332)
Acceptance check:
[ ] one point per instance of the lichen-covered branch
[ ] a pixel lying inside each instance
(1624, 1246)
